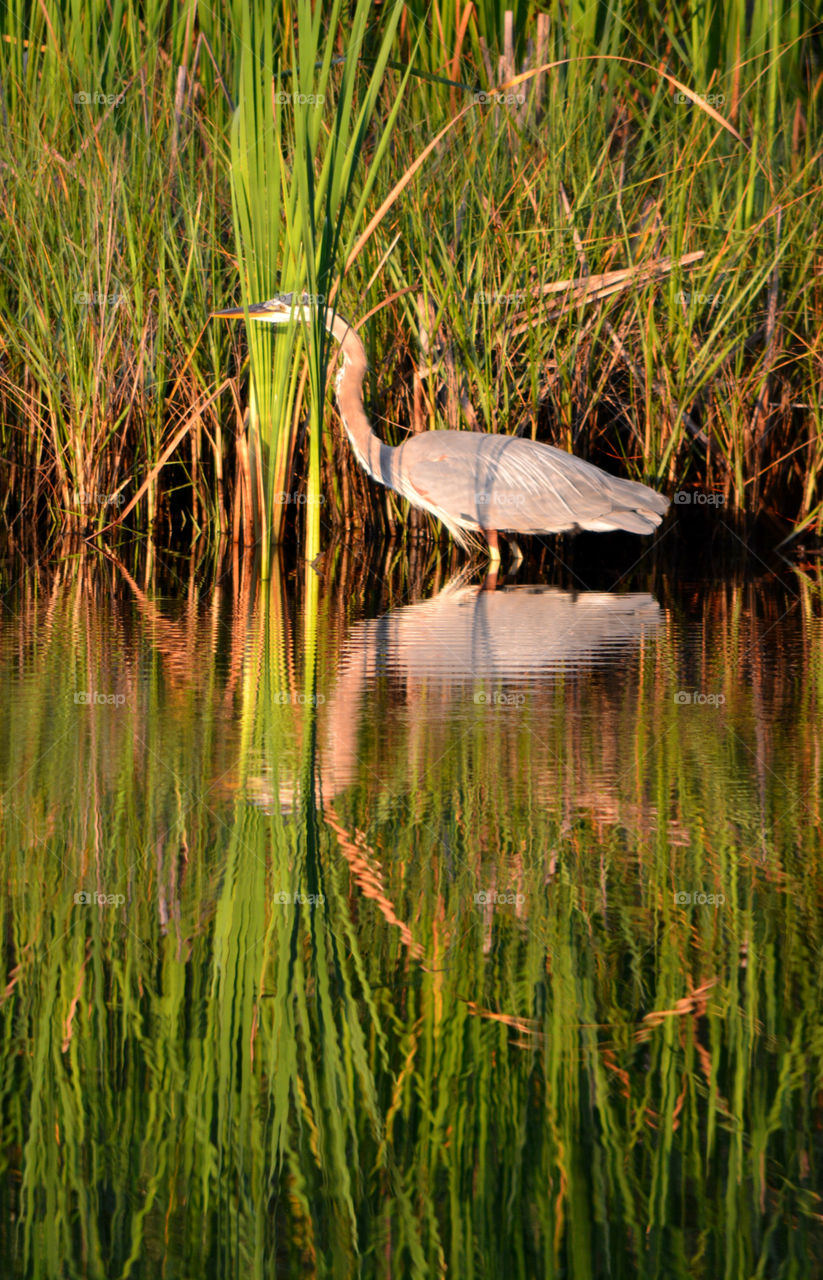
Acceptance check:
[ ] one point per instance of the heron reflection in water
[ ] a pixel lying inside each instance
(464, 647)
(474, 483)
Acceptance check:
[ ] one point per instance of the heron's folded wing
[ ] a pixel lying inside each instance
(505, 482)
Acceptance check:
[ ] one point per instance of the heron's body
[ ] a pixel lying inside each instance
(475, 482)
(511, 485)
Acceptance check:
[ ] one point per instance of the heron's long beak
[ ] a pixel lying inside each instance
(229, 313)
(268, 311)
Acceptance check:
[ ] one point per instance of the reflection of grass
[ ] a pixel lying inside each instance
(592, 1078)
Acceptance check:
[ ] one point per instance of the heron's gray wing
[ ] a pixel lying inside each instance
(507, 483)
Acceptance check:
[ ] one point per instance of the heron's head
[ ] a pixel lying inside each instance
(280, 310)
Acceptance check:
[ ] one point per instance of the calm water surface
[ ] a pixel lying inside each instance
(373, 924)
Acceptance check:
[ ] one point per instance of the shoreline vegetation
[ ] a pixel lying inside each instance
(612, 246)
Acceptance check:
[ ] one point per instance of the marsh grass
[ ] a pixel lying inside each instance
(121, 234)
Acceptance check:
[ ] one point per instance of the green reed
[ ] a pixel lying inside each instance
(292, 170)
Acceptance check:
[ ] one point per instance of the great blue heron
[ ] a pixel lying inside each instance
(473, 482)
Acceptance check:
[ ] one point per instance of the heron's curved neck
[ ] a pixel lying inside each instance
(349, 387)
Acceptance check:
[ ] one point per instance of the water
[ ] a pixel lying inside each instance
(375, 924)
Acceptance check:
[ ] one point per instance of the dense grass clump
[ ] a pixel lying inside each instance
(618, 253)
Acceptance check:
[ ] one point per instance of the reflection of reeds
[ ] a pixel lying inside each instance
(205, 1072)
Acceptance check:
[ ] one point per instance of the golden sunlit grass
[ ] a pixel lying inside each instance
(503, 226)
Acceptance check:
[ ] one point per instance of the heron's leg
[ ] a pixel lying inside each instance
(494, 550)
